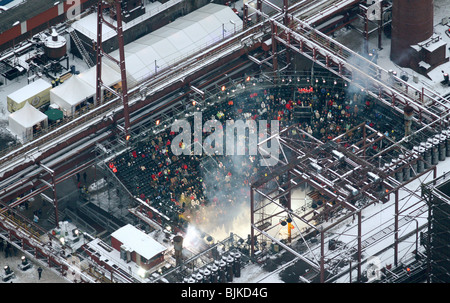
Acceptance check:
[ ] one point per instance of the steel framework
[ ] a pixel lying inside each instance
(342, 170)
(115, 6)
(341, 182)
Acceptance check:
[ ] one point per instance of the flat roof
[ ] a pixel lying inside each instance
(30, 90)
(22, 12)
(138, 241)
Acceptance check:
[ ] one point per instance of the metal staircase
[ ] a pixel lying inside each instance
(80, 47)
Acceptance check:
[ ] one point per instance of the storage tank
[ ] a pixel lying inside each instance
(412, 22)
(55, 46)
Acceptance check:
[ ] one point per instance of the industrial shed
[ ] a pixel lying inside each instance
(135, 245)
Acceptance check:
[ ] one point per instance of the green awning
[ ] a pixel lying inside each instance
(54, 114)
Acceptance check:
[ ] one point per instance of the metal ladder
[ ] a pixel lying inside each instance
(80, 47)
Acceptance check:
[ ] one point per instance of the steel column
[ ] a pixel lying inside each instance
(98, 51)
(396, 228)
(121, 62)
(252, 221)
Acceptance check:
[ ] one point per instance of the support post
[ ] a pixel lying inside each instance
(322, 257)
(274, 46)
(122, 66)
(121, 62)
(366, 33)
(380, 26)
(252, 221)
(396, 229)
(245, 13)
(359, 244)
(259, 8)
(98, 51)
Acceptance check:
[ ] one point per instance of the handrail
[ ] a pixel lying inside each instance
(112, 105)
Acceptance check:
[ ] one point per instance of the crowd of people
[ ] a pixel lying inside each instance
(184, 188)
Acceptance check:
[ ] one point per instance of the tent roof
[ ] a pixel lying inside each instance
(74, 90)
(177, 40)
(28, 116)
(109, 76)
(138, 241)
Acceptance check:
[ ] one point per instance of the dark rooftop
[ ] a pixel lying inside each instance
(22, 12)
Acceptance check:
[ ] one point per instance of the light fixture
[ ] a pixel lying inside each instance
(75, 232)
(7, 269)
(141, 272)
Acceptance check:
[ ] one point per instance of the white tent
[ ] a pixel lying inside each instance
(109, 76)
(22, 122)
(177, 40)
(72, 93)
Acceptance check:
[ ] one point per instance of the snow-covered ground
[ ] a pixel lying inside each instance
(30, 275)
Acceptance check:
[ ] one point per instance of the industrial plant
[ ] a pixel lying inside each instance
(248, 141)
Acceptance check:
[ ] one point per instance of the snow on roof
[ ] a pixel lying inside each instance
(88, 24)
(74, 90)
(431, 44)
(30, 90)
(138, 241)
(109, 76)
(28, 116)
(178, 39)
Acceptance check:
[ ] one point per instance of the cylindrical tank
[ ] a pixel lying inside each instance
(406, 168)
(55, 46)
(421, 163)
(434, 150)
(222, 271)
(207, 276)
(427, 154)
(442, 149)
(447, 142)
(214, 273)
(399, 175)
(237, 264)
(199, 278)
(412, 22)
(230, 267)
(414, 162)
(399, 172)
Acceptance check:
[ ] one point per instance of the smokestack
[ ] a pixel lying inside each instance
(412, 22)
(178, 247)
(408, 113)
